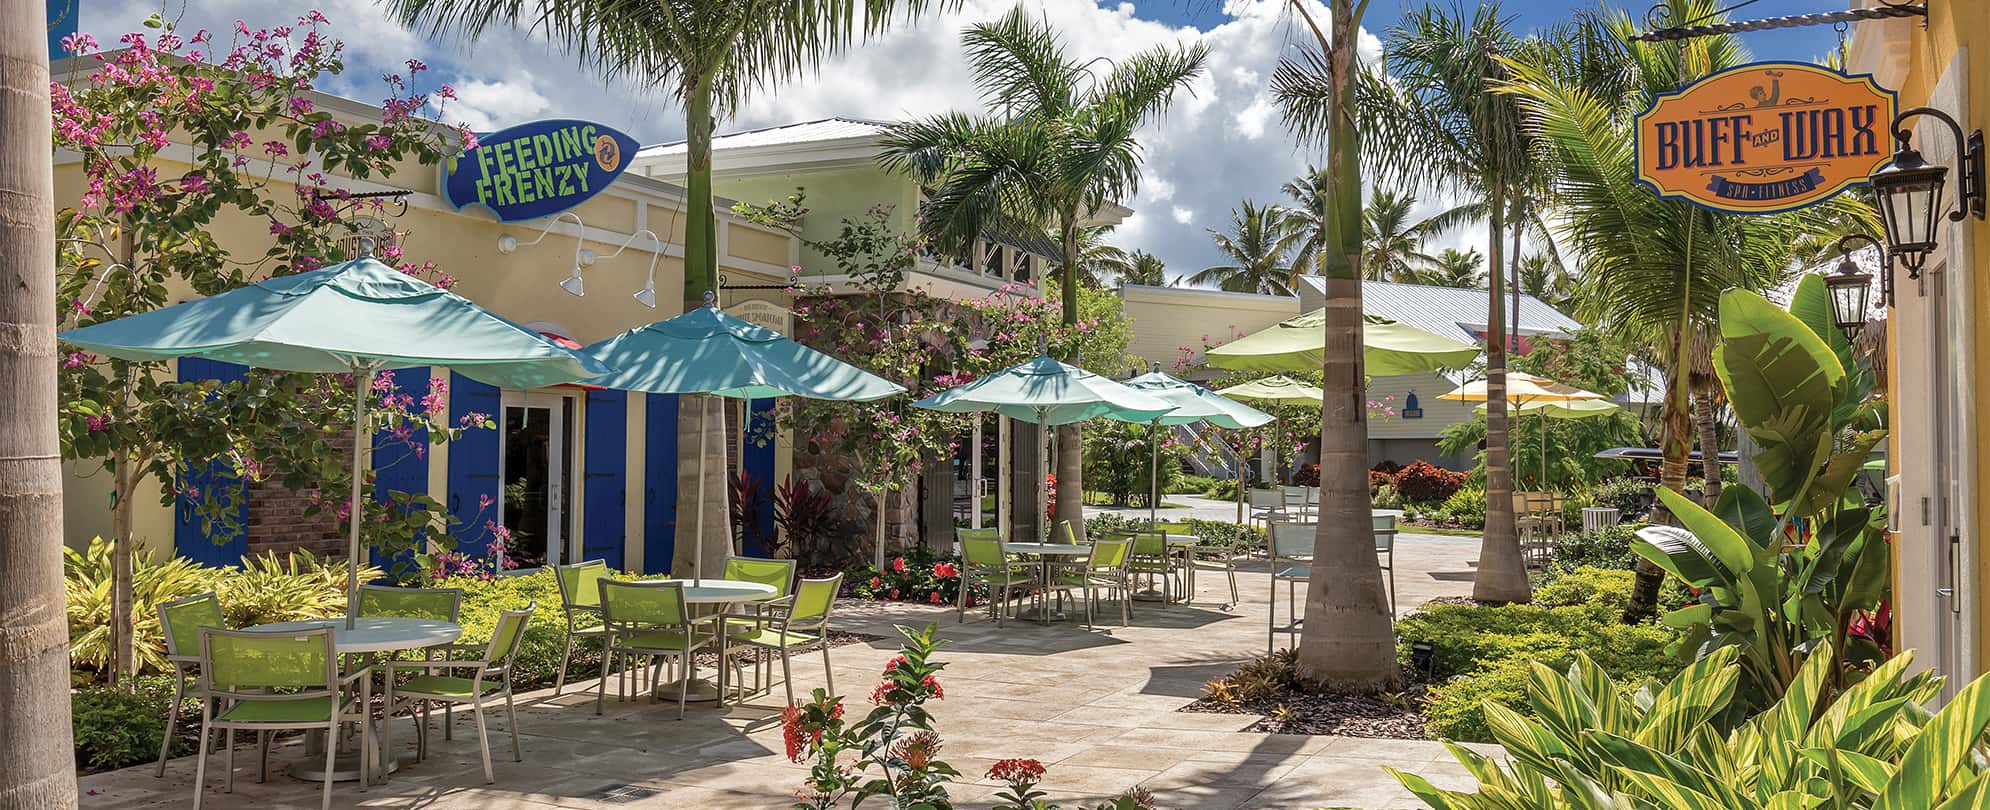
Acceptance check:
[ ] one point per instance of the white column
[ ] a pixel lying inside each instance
(974, 477)
(1004, 468)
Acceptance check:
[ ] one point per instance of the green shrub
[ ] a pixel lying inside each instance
(1239, 539)
(116, 728)
(1224, 489)
(1467, 507)
(538, 660)
(1386, 497)
(1482, 651)
(1631, 497)
(1191, 485)
(1609, 548)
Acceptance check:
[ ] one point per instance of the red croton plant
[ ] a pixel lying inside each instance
(894, 750)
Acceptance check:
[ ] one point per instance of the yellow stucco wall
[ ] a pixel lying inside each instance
(1931, 56)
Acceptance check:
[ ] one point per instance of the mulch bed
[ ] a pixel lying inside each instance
(1330, 713)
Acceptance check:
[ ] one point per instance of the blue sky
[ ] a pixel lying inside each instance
(1219, 144)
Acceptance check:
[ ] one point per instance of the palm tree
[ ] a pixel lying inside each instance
(1258, 244)
(711, 55)
(1454, 268)
(1308, 215)
(1097, 258)
(1144, 268)
(1348, 638)
(1652, 270)
(1451, 130)
(38, 770)
(1392, 245)
(1058, 145)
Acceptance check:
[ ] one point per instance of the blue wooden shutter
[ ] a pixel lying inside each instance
(215, 479)
(757, 459)
(659, 483)
(605, 458)
(473, 464)
(401, 464)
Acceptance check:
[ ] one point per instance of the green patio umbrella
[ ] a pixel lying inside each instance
(361, 317)
(1047, 392)
(706, 351)
(1299, 344)
(1193, 403)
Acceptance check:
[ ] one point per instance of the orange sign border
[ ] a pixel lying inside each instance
(1886, 130)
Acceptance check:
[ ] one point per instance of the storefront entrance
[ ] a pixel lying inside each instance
(536, 470)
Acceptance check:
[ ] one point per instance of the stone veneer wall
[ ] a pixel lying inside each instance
(834, 474)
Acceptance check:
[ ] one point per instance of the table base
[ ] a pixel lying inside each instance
(345, 767)
(701, 690)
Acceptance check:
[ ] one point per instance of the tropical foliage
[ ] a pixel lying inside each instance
(1799, 570)
(1392, 246)
(1671, 745)
(1258, 248)
(1565, 458)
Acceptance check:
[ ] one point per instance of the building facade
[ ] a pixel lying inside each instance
(575, 473)
(1937, 342)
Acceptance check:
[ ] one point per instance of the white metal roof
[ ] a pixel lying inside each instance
(1453, 312)
(801, 132)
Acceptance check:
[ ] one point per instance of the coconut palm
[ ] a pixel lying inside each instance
(1348, 637)
(1259, 245)
(710, 55)
(1454, 268)
(1652, 270)
(1392, 244)
(1450, 130)
(1097, 258)
(1057, 145)
(1308, 215)
(1144, 268)
(36, 771)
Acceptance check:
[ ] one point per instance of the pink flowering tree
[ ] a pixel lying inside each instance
(174, 135)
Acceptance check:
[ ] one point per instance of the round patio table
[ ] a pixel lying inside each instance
(367, 635)
(717, 593)
(1045, 553)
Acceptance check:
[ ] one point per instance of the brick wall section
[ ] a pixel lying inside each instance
(277, 521)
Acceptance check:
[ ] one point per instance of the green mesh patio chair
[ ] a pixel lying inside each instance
(793, 621)
(580, 600)
(182, 619)
(1103, 571)
(650, 620)
(1291, 550)
(436, 604)
(779, 574)
(978, 534)
(1153, 558)
(267, 682)
(489, 681)
(983, 563)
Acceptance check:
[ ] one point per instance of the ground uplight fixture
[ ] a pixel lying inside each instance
(1910, 190)
(1850, 289)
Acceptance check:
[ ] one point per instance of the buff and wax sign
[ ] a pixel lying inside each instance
(538, 169)
(1765, 137)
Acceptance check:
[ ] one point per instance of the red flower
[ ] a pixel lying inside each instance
(878, 694)
(894, 663)
(945, 571)
(1017, 771)
(935, 598)
(877, 583)
(898, 565)
(794, 733)
(934, 685)
(894, 593)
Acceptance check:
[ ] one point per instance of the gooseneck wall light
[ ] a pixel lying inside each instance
(1909, 190)
(508, 244)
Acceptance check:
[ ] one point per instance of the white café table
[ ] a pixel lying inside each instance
(368, 635)
(716, 594)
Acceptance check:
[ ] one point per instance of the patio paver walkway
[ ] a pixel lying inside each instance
(1097, 708)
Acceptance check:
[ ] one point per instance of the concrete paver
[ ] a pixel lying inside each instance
(1097, 707)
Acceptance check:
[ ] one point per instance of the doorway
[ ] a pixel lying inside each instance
(535, 468)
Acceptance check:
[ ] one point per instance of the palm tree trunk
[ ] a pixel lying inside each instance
(701, 228)
(1675, 442)
(39, 768)
(1502, 569)
(1349, 636)
(1070, 440)
(702, 424)
(1710, 446)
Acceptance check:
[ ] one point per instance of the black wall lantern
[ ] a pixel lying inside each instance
(1910, 190)
(1851, 289)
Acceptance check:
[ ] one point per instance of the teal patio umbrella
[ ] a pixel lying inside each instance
(1048, 393)
(361, 317)
(706, 351)
(1193, 403)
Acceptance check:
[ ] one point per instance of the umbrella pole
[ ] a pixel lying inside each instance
(1154, 477)
(1043, 462)
(362, 384)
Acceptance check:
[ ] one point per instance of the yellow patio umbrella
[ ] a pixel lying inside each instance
(1542, 397)
(1300, 344)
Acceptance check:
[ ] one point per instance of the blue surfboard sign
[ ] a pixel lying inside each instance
(537, 169)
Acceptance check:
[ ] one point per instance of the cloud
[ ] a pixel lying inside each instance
(1220, 142)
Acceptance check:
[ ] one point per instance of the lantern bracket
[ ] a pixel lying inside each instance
(1969, 196)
